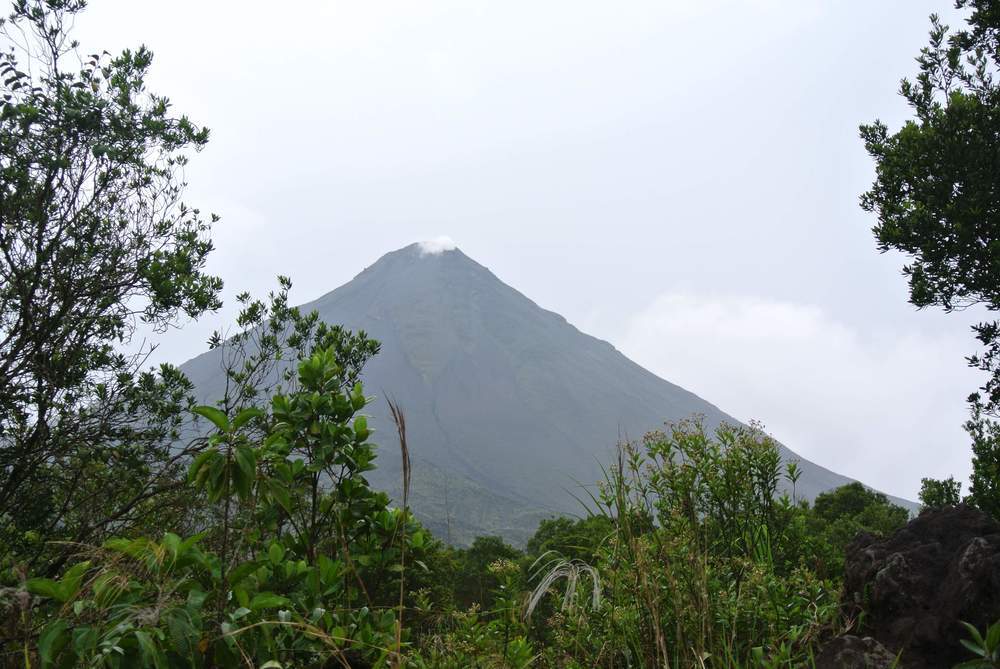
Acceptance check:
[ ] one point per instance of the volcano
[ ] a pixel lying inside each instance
(511, 411)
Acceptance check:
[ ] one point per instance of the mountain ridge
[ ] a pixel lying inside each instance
(508, 398)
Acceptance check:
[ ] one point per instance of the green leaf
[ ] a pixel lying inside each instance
(361, 428)
(153, 655)
(107, 588)
(974, 633)
(71, 580)
(51, 641)
(279, 493)
(126, 546)
(267, 600)
(199, 463)
(183, 636)
(188, 543)
(84, 640)
(993, 637)
(245, 416)
(276, 553)
(974, 647)
(45, 587)
(247, 461)
(172, 543)
(241, 612)
(217, 483)
(241, 572)
(245, 472)
(358, 400)
(218, 418)
(195, 599)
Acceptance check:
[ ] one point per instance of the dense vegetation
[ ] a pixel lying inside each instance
(140, 529)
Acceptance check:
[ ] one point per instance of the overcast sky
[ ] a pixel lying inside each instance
(679, 178)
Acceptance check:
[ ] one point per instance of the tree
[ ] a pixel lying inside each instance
(838, 516)
(935, 191)
(937, 198)
(474, 582)
(572, 539)
(984, 482)
(935, 494)
(94, 242)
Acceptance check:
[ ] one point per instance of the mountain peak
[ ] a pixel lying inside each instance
(437, 246)
(508, 405)
(422, 266)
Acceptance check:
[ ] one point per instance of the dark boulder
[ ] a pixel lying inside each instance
(911, 590)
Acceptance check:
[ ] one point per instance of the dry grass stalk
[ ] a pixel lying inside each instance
(399, 418)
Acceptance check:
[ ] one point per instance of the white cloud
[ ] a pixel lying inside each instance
(885, 407)
(432, 247)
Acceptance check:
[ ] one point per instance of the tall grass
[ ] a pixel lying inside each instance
(694, 572)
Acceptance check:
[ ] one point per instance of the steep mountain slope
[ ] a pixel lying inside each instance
(509, 407)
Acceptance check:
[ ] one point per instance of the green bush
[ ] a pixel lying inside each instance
(935, 494)
(839, 515)
(306, 564)
(699, 568)
(578, 539)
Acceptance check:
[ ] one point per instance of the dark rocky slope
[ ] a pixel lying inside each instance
(911, 591)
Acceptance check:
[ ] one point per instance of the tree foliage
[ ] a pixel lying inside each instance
(936, 198)
(984, 482)
(935, 187)
(94, 240)
(839, 515)
(473, 582)
(935, 494)
(578, 539)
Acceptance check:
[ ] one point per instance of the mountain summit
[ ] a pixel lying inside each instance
(509, 408)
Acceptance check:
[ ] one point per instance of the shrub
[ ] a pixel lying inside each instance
(306, 563)
(699, 566)
(935, 494)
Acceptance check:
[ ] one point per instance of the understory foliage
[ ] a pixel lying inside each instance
(690, 557)
(704, 564)
(304, 564)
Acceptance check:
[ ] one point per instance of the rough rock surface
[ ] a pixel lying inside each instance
(851, 652)
(916, 586)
